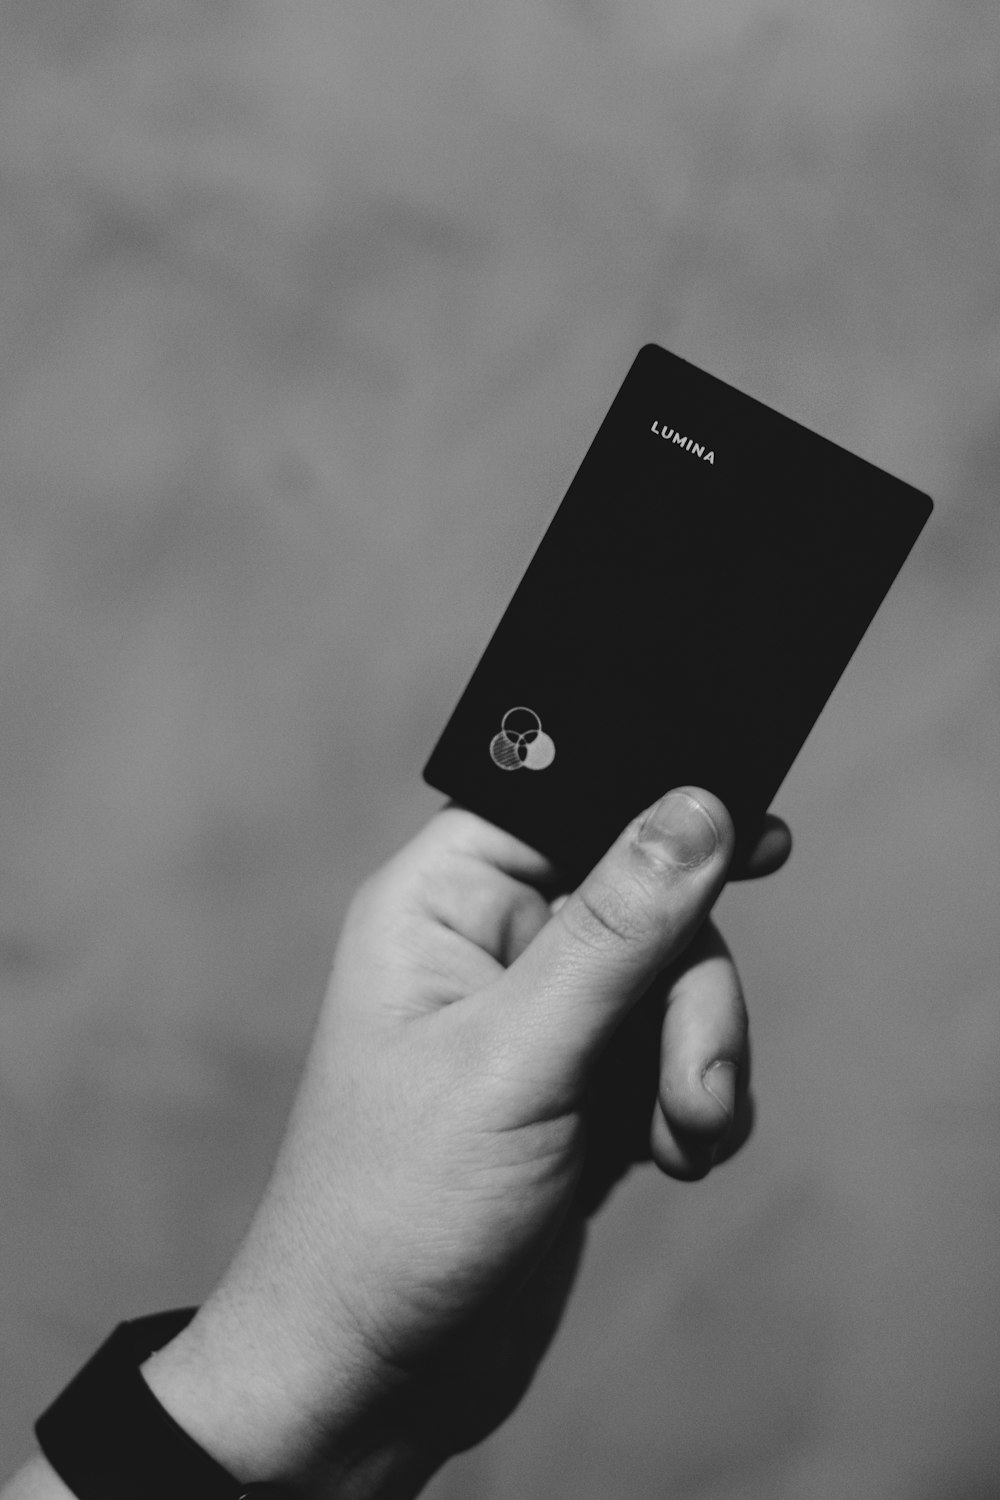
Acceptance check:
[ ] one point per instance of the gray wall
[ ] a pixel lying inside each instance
(308, 312)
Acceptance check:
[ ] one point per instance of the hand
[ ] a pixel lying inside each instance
(490, 1058)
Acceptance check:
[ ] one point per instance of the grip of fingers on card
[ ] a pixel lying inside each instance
(687, 614)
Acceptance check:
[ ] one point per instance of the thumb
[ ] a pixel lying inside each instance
(635, 912)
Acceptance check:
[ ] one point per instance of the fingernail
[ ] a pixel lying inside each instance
(719, 1080)
(680, 826)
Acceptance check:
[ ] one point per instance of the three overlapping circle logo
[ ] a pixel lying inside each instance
(522, 743)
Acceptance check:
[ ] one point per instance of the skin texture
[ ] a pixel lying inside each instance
(491, 1056)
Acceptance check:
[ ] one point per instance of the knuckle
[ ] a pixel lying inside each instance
(373, 893)
(359, 907)
(603, 916)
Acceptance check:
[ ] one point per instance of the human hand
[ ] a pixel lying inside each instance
(490, 1057)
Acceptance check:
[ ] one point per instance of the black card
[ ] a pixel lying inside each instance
(687, 614)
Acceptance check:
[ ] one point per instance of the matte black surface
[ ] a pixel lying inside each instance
(684, 619)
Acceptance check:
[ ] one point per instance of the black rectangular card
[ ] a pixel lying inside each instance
(688, 612)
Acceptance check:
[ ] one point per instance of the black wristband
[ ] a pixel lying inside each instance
(108, 1438)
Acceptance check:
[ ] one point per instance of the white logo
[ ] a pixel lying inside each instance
(522, 742)
(671, 435)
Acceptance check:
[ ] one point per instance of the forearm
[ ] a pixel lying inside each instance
(239, 1402)
(265, 1421)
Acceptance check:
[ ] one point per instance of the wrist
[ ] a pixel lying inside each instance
(266, 1407)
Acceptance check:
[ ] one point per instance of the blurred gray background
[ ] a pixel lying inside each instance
(308, 314)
